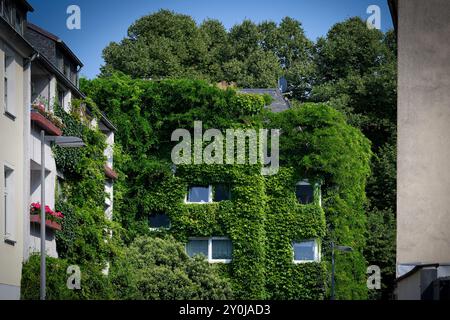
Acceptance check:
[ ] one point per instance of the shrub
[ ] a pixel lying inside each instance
(94, 284)
(159, 269)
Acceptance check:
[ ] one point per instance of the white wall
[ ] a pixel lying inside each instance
(34, 240)
(12, 148)
(423, 211)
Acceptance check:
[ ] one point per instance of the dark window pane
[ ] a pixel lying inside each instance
(304, 193)
(194, 247)
(221, 249)
(222, 192)
(159, 220)
(198, 194)
(304, 251)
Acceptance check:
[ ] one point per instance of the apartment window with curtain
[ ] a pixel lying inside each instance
(214, 249)
(8, 82)
(306, 251)
(8, 203)
(61, 93)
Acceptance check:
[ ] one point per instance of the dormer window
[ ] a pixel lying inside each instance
(7, 10)
(18, 23)
(67, 69)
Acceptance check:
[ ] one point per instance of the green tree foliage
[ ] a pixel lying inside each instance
(356, 72)
(159, 269)
(357, 67)
(81, 194)
(168, 45)
(149, 269)
(94, 284)
(163, 44)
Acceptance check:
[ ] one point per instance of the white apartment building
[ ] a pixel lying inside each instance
(38, 70)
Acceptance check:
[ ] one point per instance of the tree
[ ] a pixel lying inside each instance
(356, 72)
(159, 269)
(163, 44)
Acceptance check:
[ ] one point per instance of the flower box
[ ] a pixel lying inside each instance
(45, 124)
(35, 218)
(110, 173)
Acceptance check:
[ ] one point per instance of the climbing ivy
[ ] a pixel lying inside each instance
(81, 194)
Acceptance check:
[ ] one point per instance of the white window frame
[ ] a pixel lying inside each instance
(210, 240)
(317, 251)
(9, 228)
(210, 196)
(9, 82)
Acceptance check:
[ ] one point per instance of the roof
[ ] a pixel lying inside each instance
(60, 76)
(56, 39)
(417, 268)
(278, 104)
(26, 5)
(393, 8)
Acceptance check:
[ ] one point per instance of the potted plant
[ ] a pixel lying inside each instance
(53, 219)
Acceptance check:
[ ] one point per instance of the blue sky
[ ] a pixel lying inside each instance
(104, 21)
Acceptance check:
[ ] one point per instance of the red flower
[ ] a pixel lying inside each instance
(49, 213)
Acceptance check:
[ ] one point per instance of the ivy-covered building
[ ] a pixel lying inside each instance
(269, 235)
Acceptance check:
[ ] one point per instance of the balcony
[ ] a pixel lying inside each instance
(47, 122)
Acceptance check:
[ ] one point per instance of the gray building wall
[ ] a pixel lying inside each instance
(423, 214)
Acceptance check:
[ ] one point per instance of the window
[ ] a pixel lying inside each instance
(208, 194)
(304, 192)
(222, 192)
(8, 203)
(221, 249)
(159, 220)
(215, 249)
(60, 95)
(199, 194)
(18, 23)
(7, 11)
(306, 251)
(59, 60)
(197, 246)
(67, 69)
(8, 82)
